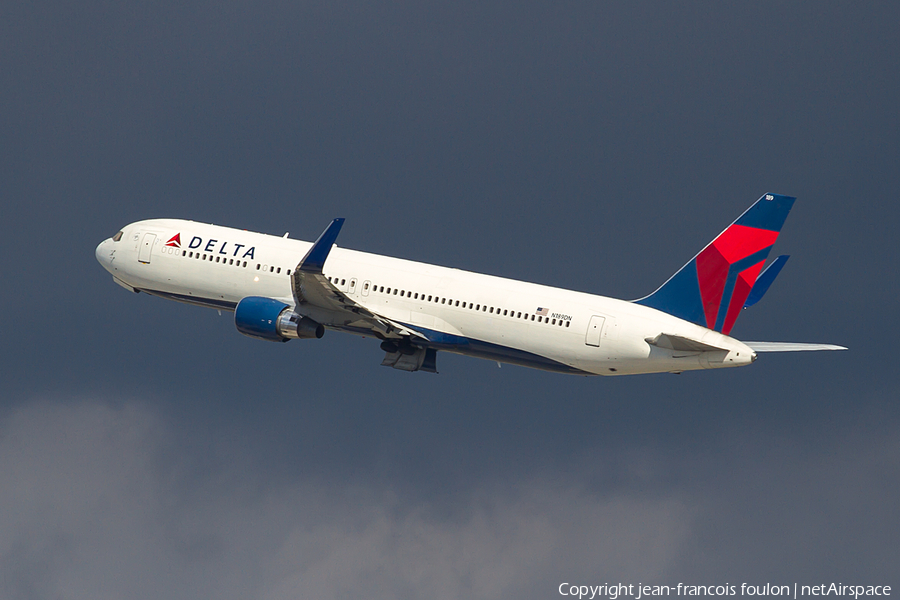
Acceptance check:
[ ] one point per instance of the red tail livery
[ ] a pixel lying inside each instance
(711, 289)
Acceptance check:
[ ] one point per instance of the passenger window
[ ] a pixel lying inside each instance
(457, 303)
(257, 266)
(245, 264)
(504, 312)
(279, 270)
(395, 291)
(532, 317)
(554, 322)
(519, 316)
(477, 307)
(443, 300)
(567, 323)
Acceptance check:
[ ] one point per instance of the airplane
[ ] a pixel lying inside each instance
(281, 289)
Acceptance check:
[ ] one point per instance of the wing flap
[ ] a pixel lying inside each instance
(310, 286)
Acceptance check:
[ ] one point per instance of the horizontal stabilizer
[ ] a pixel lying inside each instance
(765, 279)
(681, 343)
(790, 347)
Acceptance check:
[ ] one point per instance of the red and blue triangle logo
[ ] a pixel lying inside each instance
(175, 242)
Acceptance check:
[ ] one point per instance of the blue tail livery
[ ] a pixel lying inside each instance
(712, 287)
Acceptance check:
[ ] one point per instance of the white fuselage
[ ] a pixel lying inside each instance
(462, 312)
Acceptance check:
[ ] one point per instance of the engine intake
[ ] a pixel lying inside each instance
(268, 319)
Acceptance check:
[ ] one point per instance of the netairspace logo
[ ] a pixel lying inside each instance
(622, 590)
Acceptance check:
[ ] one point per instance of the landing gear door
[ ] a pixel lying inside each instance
(594, 331)
(146, 247)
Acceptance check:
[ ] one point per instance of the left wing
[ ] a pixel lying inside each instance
(311, 287)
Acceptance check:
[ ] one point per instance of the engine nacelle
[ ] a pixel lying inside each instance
(268, 319)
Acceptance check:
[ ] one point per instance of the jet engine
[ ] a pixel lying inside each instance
(268, 319)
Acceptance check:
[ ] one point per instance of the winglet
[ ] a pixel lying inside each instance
(764, 280)
(314, 261)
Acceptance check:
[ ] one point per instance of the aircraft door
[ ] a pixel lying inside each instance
(594, 331)
(146, 248)
(353, 285)
(365, 288)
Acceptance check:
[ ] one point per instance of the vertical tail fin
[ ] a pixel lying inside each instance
(765, 279)
(711, 288)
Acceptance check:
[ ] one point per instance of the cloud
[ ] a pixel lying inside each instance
(106, 500)
(112, 500)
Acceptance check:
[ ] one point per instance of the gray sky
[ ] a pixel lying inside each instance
(148, 450)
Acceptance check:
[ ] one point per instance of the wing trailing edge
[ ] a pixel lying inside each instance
(310, 286)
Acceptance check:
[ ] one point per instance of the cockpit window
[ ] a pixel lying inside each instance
(117, 237)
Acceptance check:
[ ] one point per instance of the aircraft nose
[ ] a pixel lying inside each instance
(102, 254)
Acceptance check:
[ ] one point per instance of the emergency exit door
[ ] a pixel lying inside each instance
(146, 247)
(595, 330)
